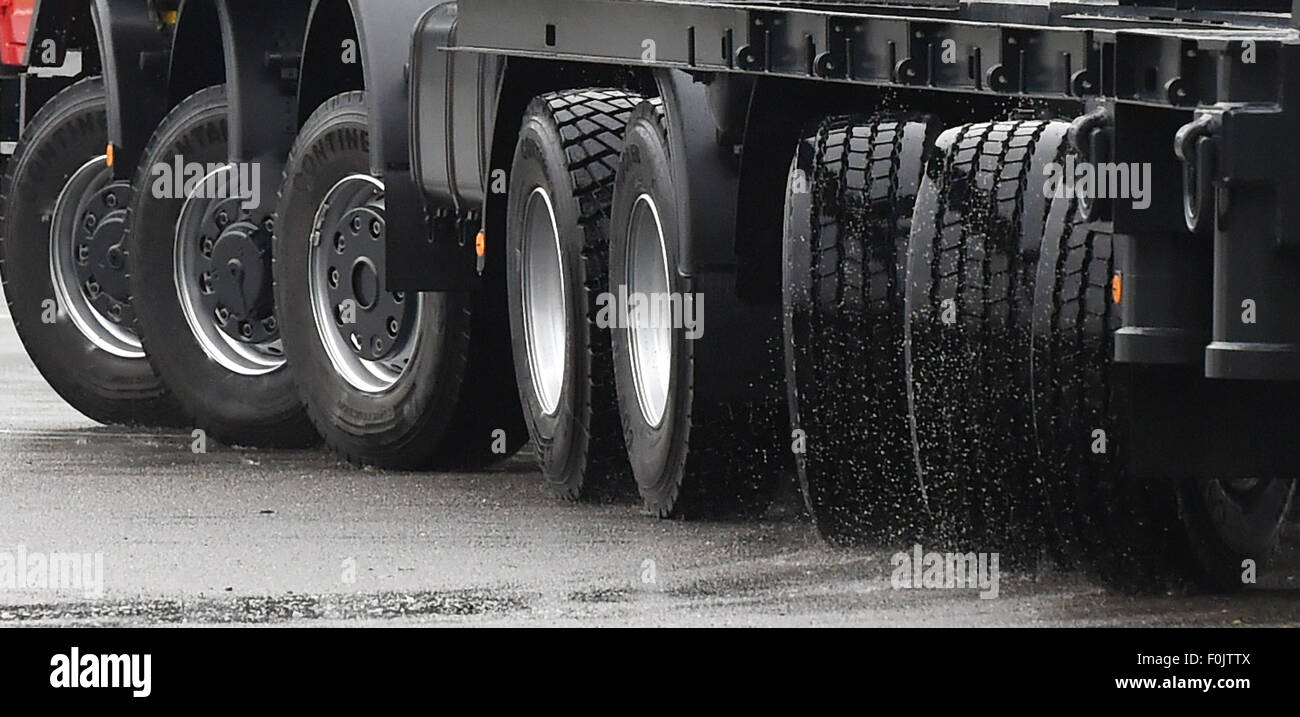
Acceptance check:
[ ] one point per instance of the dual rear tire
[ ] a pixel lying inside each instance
(562, 185)
(606, 326)
(1020, 426)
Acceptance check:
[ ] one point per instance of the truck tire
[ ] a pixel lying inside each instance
(561, 187)
(849, 203)
(389, 404)
(201, 282)
(975, 237)
(692, 454)
(62, 219)
(1133, 532)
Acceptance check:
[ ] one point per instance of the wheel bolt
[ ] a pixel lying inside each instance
(223, 315)
(270, 324)
(91, 221)
(246, 330)
(208, 246)
(115, 312)
(356, 225)
(83, 252)
(269, 225)
(399, 296)
(393, 327)
(340, 243)
(376, 229)
(110, 200)
(334, 278)
(222, 219)
(379, 345)
(205, 282)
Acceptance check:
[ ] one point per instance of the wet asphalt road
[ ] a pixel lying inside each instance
(299, 538)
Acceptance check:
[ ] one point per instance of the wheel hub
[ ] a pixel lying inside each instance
(233, 265)
(370, 320)
(370, 335)
(99, 257)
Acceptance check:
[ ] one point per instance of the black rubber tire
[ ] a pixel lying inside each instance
(408, 426)
(1135, 533)
(973, 254)
(69, 131)
(707, 456)
(234, 409)
(569, 146)
(849, 203)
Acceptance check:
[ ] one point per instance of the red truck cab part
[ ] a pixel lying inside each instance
(15, 25)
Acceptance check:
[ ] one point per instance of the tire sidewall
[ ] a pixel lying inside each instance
(560, 436)
(223, 401)
(67, 133)
(657, 453)
(332, 146)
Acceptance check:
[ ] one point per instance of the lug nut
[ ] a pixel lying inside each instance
(356, 225)
(222, 219)
(393, 327)
(92, 288)
(334, 278)
(379, 345)
(376, 228)
(208, 246)
(115, 312)
(246, 330)
(205, 282)
(223, 315)
(269, 225)
(83, 252)
(91, 221)
(270, 324)
(110, 200)
(399, 296)
(340, 243)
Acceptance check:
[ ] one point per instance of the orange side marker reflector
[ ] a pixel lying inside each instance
(1117, 288)
(480, 244)
(109, 152)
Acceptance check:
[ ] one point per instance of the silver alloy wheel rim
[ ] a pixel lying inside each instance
(371, 377)
(244, 359)
(647, 277)
(545, 301)
(68, 208)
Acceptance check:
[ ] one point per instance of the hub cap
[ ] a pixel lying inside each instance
(223, 281)
(544, 300)
(87, 261)
(647, 276)
(369, 334)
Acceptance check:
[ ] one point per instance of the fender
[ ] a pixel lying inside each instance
(706, 179)
(733, 356)
(262, 47)
(453, 103)
(384, 29)
(133, 43)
